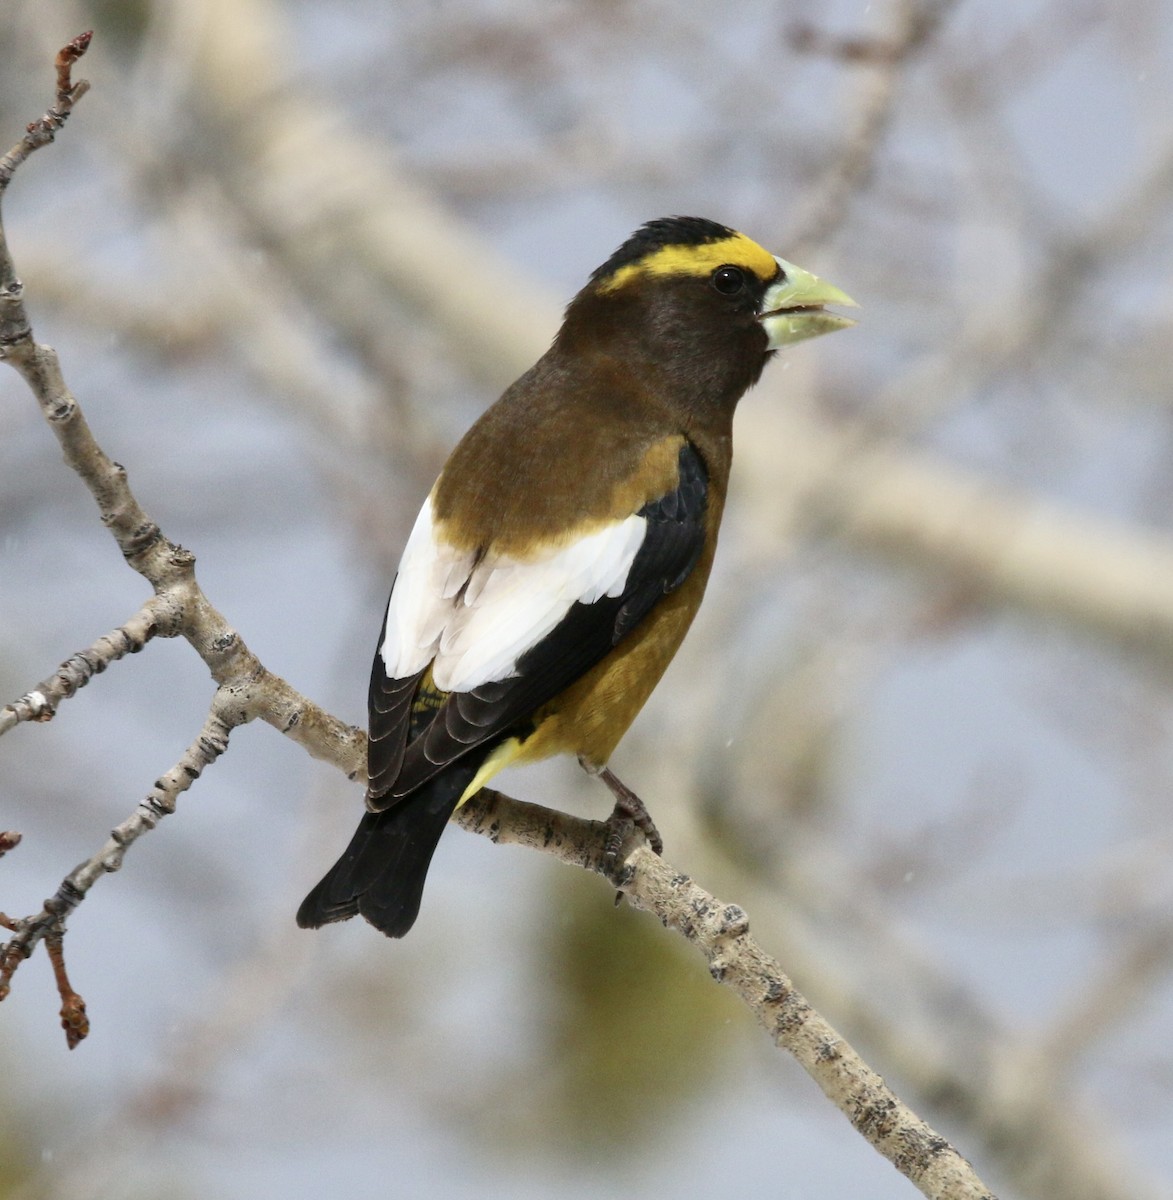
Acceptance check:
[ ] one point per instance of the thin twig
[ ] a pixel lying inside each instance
(73, 1008)
(49, 924)
(40, 703)
(42, 131)
(170, 569)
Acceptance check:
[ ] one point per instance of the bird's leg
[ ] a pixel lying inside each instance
(628, 807)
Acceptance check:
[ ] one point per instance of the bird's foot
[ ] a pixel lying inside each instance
(629, 813)
(629, 810)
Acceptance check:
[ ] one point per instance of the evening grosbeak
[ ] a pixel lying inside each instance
(561, 556)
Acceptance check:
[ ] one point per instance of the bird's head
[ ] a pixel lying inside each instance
(701, 302)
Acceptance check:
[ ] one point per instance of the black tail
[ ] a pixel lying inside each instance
(382, 873)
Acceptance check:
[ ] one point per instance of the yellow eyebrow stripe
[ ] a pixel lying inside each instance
(698, 260)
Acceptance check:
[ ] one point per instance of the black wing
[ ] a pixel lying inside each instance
(672, 545)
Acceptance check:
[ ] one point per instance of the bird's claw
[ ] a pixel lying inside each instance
(618, 828)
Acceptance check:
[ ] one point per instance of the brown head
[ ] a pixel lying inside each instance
(693, 310)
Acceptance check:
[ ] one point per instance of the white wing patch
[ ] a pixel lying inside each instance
(473, 620)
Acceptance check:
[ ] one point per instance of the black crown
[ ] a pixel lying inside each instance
(655, 235)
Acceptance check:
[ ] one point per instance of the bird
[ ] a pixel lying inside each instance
(562, 553)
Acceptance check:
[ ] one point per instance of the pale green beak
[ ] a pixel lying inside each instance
(792, 308)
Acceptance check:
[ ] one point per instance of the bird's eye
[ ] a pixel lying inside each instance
(728, 280)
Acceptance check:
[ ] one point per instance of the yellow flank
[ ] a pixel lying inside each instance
(502, 756)
(698, 260)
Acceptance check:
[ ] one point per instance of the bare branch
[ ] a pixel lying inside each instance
(40, 703)
(170, 569)
(49, 924)
(42, 131)
(14, 326)
(720, 932)
(246, 690)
